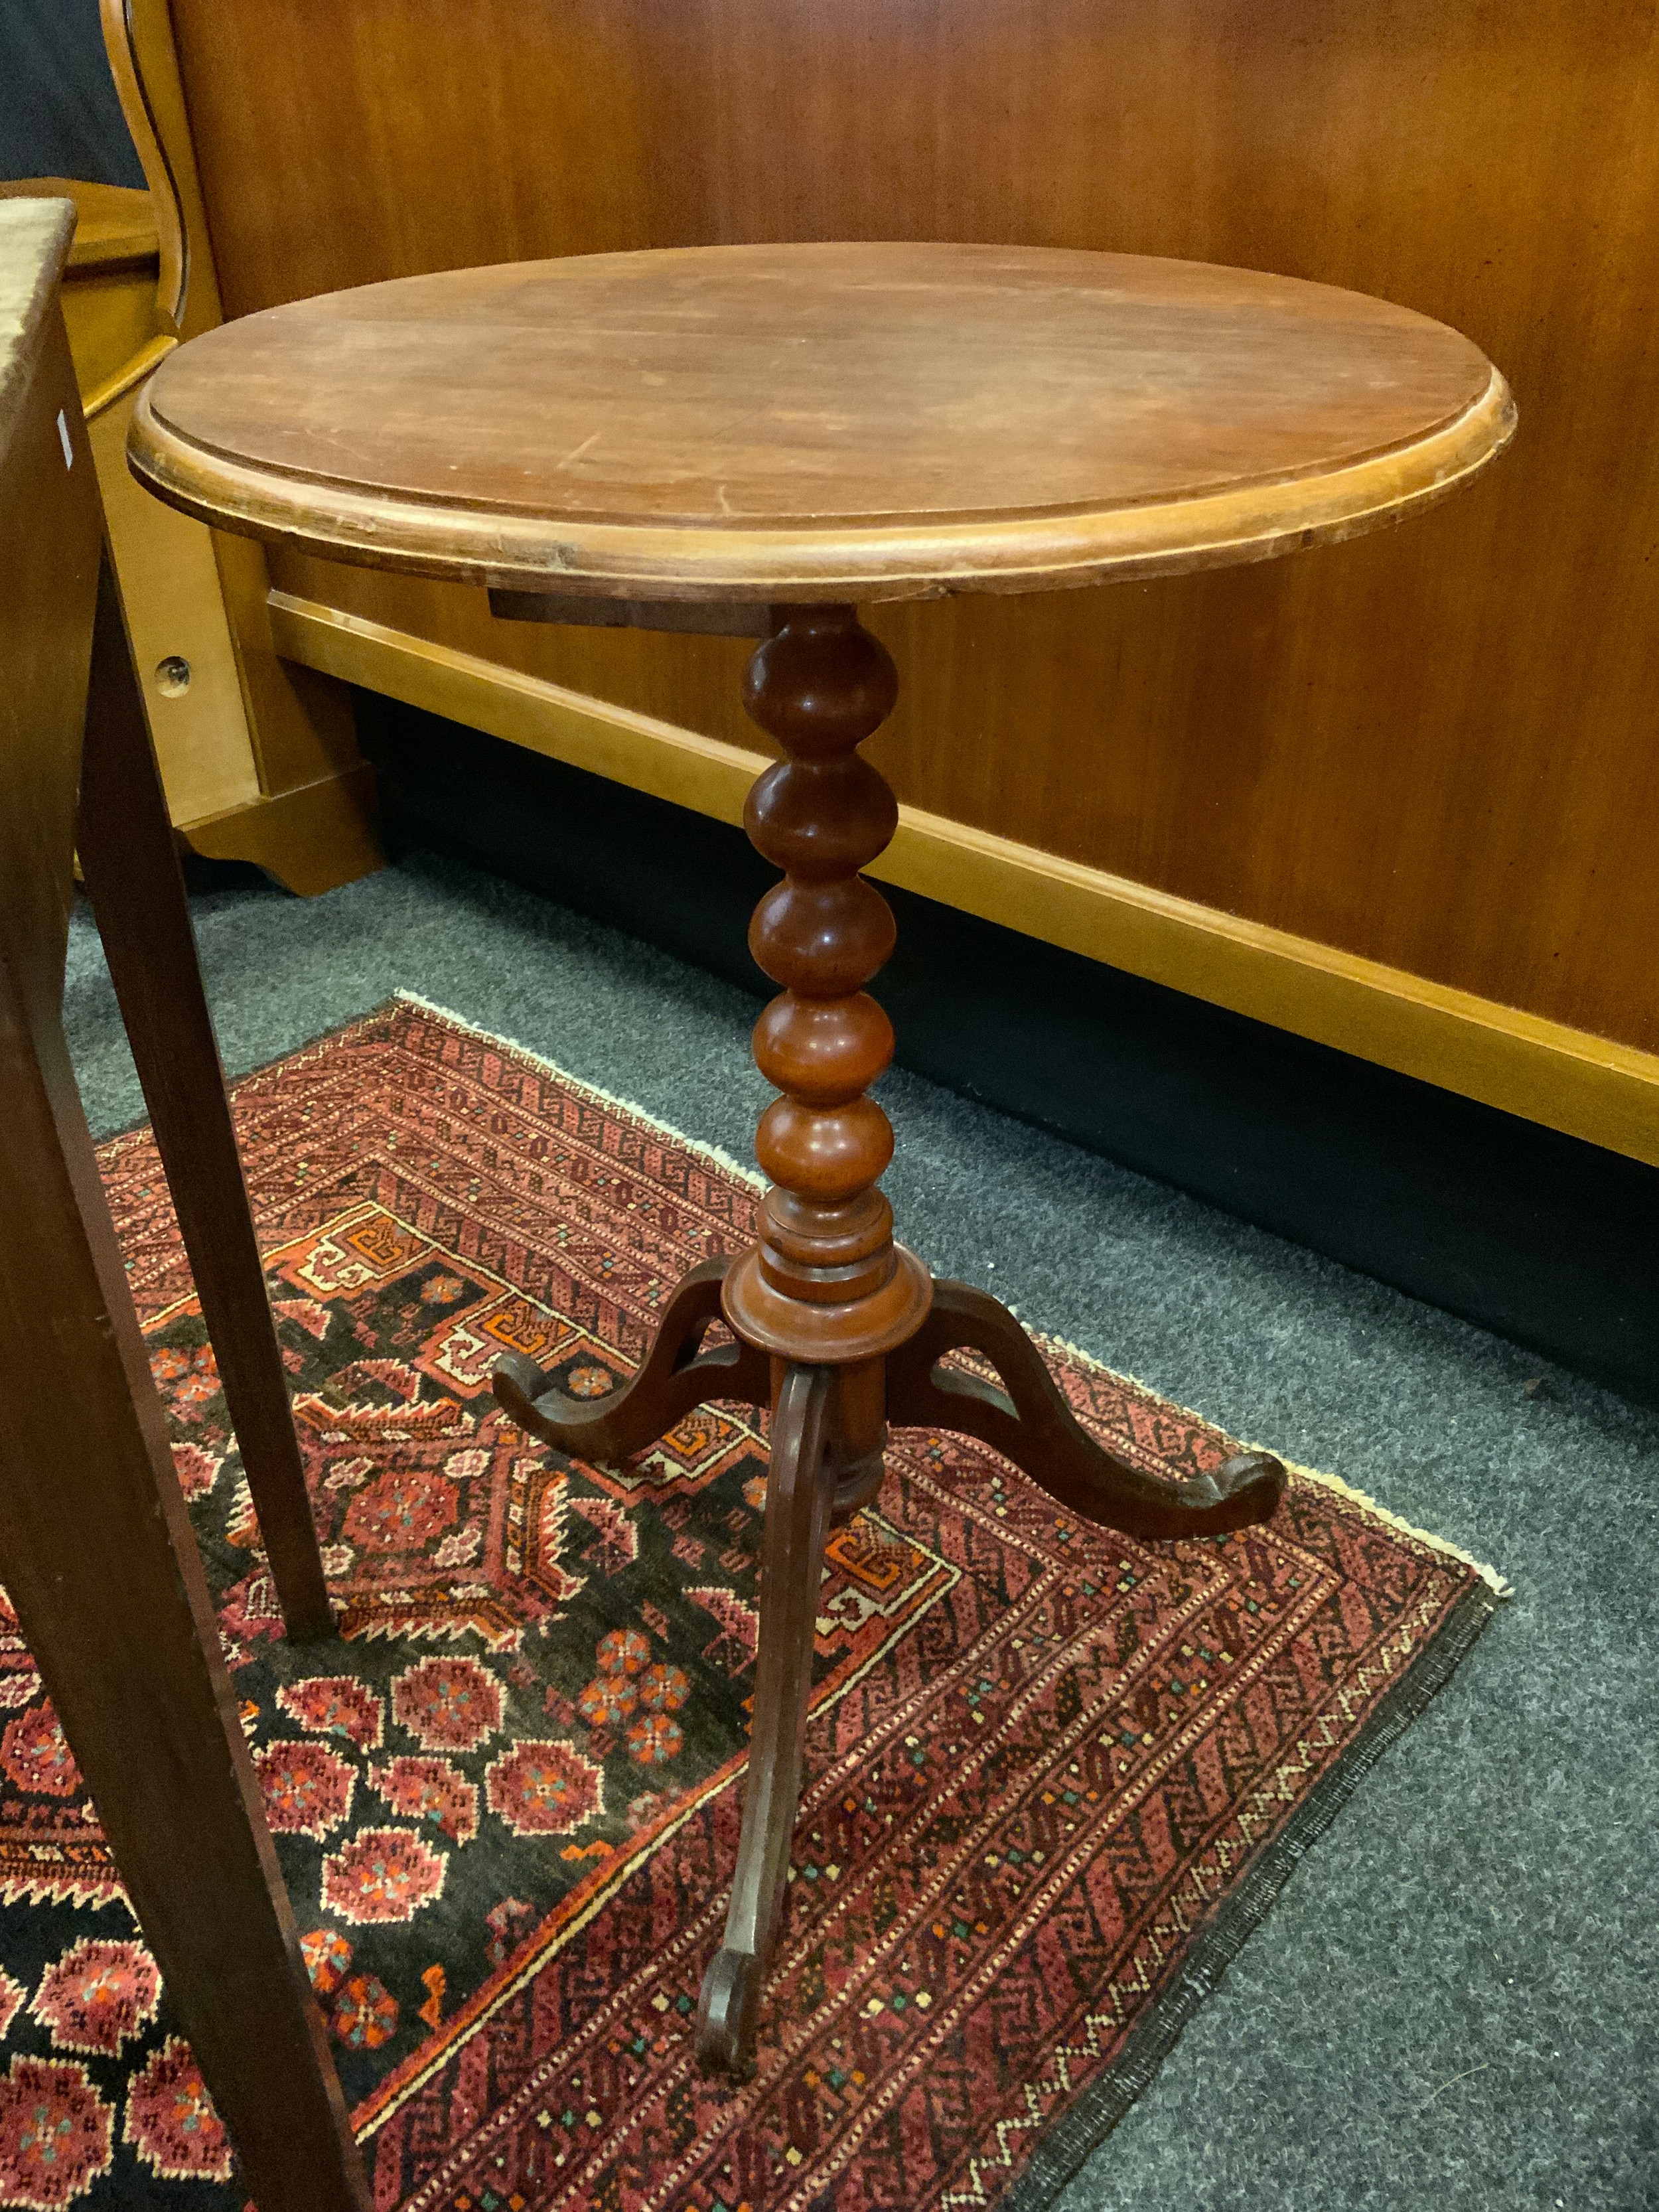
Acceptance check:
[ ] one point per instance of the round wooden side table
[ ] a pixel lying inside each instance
(780, 432)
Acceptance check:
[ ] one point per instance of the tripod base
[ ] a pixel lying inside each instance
(827, 1430)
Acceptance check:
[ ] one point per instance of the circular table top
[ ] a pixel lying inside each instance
(834, 422)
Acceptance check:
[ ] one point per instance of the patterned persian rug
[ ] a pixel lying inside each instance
(1054, 1777)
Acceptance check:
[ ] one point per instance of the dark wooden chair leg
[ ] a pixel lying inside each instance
(96, 1551)
(97, 1554)
(1030, 1422)
(131, 871)
(799, 1497)
(677, 1376)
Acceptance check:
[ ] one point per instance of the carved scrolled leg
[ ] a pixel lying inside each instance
(800, 1498)
(678, 1375)
(1030, 1422)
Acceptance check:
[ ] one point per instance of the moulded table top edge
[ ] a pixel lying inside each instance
(1290, 413)
(681, 561)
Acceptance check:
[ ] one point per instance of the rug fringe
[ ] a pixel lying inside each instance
(1495, 1582)
(713, 1152)
(1498, 1584)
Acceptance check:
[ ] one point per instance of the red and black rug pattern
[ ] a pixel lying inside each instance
(1053, 1776)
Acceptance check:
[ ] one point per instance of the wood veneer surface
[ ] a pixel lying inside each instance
(818, 420)
(1433, 748)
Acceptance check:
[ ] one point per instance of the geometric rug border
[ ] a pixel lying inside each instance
(1065, 2147)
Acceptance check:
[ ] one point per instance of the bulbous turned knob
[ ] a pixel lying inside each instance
(822, 1051)
(823, 940)
(820, 684)
(830, 1153)
(825, 1281)
(821, 819)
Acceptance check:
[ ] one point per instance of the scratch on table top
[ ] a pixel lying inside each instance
(576, 452)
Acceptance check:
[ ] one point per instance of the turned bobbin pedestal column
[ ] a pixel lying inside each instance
(837, 1326)
(678, 438)
(826, 1283)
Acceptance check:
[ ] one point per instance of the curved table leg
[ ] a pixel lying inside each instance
(676, 1376)
(1030, 1422)
(799, 1494)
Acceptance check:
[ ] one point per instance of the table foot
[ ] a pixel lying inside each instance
(677, 1377)
(800, 1493)
(1028, 1421)
(728, 2010)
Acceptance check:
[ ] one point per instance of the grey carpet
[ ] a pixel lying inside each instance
(1454, 2003)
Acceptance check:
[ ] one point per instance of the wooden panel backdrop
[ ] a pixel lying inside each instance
(1433, 749)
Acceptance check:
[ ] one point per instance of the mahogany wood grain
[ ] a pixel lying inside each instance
(96, 1551)
(1433, 750)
